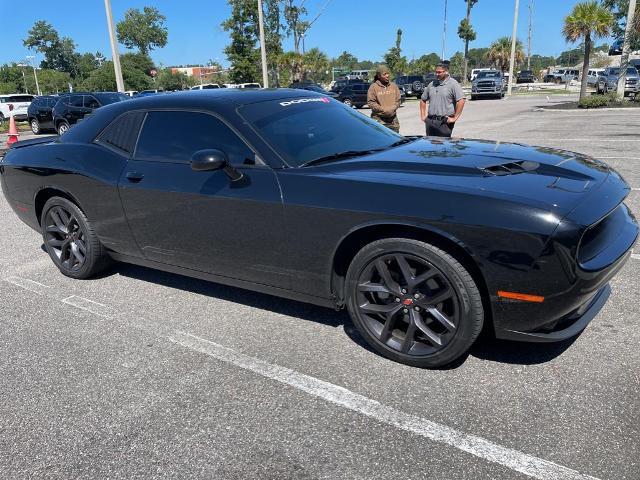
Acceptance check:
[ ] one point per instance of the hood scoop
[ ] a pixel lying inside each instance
(511, 168)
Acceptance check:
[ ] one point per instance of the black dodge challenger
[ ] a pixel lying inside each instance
(423, 240)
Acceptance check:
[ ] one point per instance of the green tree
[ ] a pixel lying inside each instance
(294, 13)
(477, 57)
(290, 64)
(59, 53)
(346, 61)
(422, 65)
(273, 38)
(315, 64)
(242, 52)
(143, 30)
(456, 64)
(468, 34)
(500, 53)
(620, 8)
(586, 20)
(168, 80)
(394, 59)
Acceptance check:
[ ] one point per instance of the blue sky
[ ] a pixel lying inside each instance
(366, 28)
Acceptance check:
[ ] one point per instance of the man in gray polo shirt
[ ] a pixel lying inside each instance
(445, 100)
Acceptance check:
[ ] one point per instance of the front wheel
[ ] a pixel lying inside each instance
(70, 240)
(347, 102)
(413, 302)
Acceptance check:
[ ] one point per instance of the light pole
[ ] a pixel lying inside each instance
(624, 58)
(35, 74)
(513, 47)
(263, 50)
(444, 31)
(114, 47)
(24, 79)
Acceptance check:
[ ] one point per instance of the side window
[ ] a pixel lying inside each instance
(90, 102)
(74, 100)
(51, 102)
(175, 136)
(122, 133)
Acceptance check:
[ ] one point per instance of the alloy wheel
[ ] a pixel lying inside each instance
(408, 304)
(65, 238)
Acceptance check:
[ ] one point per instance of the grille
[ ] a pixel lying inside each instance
(486, 85)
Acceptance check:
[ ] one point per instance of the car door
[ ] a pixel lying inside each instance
(361, 94)
(203, 220)
(90, 103)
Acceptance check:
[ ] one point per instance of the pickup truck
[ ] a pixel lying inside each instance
(608, 81)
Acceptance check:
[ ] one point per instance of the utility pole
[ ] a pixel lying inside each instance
(263, 50)
(529, 41)
(444, 31)
(114, 47)
(624, 58)
(513, 47)
(35, 74)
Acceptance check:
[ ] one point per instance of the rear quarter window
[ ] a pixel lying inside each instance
(122, 133)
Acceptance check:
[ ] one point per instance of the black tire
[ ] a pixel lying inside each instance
(62, 128)
(66, 232)
(347, 102)
(437, 311)
(1, 119)
(473, 97)
(35, 126)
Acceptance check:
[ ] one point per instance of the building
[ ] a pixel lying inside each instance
(203, 74)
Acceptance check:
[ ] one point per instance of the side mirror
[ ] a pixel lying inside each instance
(209, 160)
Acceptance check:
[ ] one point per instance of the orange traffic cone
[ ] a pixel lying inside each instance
(13, 132)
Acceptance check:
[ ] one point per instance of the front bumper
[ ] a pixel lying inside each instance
(565, 327)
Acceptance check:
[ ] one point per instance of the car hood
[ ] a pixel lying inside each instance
(547, 178)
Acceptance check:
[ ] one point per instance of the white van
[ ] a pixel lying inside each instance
(206, 86)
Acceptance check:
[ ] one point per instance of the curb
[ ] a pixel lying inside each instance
(584, 110)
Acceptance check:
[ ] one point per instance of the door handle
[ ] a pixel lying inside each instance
(134, 177)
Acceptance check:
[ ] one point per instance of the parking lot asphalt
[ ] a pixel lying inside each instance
(144, 374)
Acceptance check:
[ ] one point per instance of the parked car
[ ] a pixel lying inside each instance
(354, 94)
(488, 83)
(423, 241)
(593, 75)
(525, 76)
(341, 83)
(19, 104)
(73, 107)
(249, 85)
(131, 93)
(564, 75)
(40, 113)
(313, 87)
(146, 93)
(207, 86)
(413, 85)
(608, 81)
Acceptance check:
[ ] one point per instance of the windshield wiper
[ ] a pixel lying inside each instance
(337, 156)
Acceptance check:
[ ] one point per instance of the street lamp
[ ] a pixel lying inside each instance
(35, 75)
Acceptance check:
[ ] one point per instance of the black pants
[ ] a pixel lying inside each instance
(439, 128)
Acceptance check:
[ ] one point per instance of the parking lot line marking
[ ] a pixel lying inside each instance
(90, 306)
(30, 285)
(478, 446)
(635, 256)
(616, 158)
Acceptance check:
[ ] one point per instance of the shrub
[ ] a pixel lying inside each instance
(597, 101)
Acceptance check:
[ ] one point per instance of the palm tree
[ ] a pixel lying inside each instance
(588, 19)
(468, 34)
(314, 62)
(500, 53)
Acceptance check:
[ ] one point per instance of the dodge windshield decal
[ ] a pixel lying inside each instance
(304, 100)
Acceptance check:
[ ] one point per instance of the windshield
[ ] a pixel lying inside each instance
(630, 71)
(107, 98)
(489, 75)
(305, 129)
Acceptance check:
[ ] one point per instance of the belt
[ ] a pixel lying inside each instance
(437, 117)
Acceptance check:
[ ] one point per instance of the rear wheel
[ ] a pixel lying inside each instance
(70, 240)
(63, 127)
(35, 126)
(413, 302)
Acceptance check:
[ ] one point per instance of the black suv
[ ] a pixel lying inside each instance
(73, 107)
(412, 84)
(40, 113)
(525, 76)
(354, 94)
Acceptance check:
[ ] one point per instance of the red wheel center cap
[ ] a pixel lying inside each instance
(407, 301)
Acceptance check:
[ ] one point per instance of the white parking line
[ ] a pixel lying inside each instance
(30, 285)
(635, 256)
(90, 306)
(478, 446)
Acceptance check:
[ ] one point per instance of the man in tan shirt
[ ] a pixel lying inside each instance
(383, 98)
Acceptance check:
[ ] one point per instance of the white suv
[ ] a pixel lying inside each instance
(20, 102)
